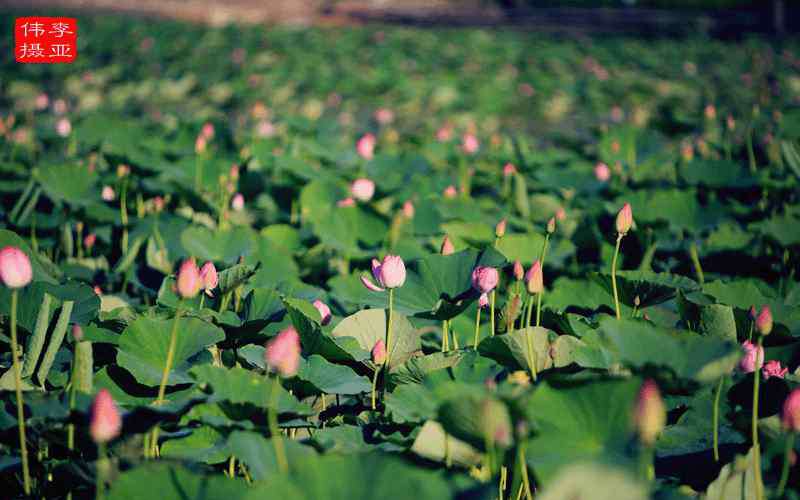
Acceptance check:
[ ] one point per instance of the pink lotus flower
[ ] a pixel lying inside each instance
(63, 127)
(89, 241)
(324, 311)
(500, 228)
(384, 116)
(601, 172)
(624, 219)
(265, 129)
(209, 277)
(42, 101)
(710, 112)
(773, 369)
(346, 202)
(444, 134)
(764, 321)
(450, 192)
(484, 278)
(616, 114)
(362, 189)
(408, 209)
(379, 352)
(469, 144)
(483, 301)
(200, 144)
(106, 422)
(791, 411)
(15, 267)
(283, 352)
(519, 271)
(509, 170)
(233, 173)
(390, 273)
(534, 278)
(77, 333)
(447, 247)
(561, 214)
(207, 131)
(366, 146)
(108, 193)
(649, 415)
(188, 281)
(97, 290)
(753, 357)
(237, 203)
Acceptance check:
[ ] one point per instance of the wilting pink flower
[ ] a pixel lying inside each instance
(624, 219)
(483, 301)
(764, 321)
(283, 352)
(753, 357)
(324, 311)
(469, 144)
(237, 203)
(447, 247)
(649, 415)
(484, 278)
(208, 275)
(42, 101)
(346, 202)
(188, 281)
(444, 134)
(601, 172)
(773, 368)
(15, 267)
(534, 279)
(77, 333)
(509, 170)
(63, 127)
(408, 209)
(108, 193)
(89, 241)
(384, 116)
(450, 192)
(519, 271)
(791, 411)
(362, 189)
(500, 228)
(366, 146)
(106, 422)
(379, 352)
(390, 273)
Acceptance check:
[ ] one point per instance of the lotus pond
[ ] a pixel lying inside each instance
(384, 262)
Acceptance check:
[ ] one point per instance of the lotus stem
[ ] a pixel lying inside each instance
(162, 388)
(477, 327)
(696, 262)
(528, 312)
(787, 456)
(374, 383)
(445, 337)
(715, 418)
(389, 345)
(101, 474)
(123, 212)
(277, 437)
(756, 449)
(531, 352)
(491, 313)
(202, 301)
(614, 275)
(23, 445)
(524, 472)
(501, 486)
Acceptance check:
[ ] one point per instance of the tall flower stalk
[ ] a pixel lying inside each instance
(484, 281)
(790, 418)
(763, 327)
(105, 425)
(624, 222)
(282, 355)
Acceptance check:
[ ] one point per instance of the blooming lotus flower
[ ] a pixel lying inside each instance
(108, 193)
(649, 414)
(324, 311)
(390, 273)
(209, 278)
(188, 281)
(63, 127)
(791, 411)
(753, 357)
(283, 352)
(469, 144)
(447, 247)
(379, 352)
(450, 192)
(237, 203)
(483, 300)
(624, 219)
(106, 422)
(484, 278)
(408, 209)
(15, 267)
(362, 189)
(500, 228)
(773, 369)
(346, 202)
(519, 271)
(366, 146)
(509, 170)
(534, 279)
(764, 321)
(601, 172)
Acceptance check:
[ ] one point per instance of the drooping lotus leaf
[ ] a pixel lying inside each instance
(330, 378)
(477, 418)
(306, 319)
(511, 349)
(417, 368)
(433, 443)
(651, 288)
(219, 246)
(258, 452)
(736, 480)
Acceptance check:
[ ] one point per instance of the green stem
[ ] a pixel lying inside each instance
(539, 308)
(445, 337)
(715, 418)
(524, 471)
(101, 471)
(751, 157)
(23, 445)
(531, 352)
(277, 438)
(374, 383)
(491, 314)
(162, 387)
(756, 449)
(696, 261)
(614, 276)
(477, 327)
(528, 312)
(787, 455)
(202, 301)
(123, 211)
(389, 325)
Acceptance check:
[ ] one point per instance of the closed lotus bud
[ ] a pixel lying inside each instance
(200, 144)
(624, 219)
(207, 131)
(753, 357)
(283, 352)
(764, 321)
(366, 146)
(15, 267)
(89, 241)
(791, 411)
(561, 214)
(500, 229)
(77, 333)
(601, 172)
(450, 192)
(519, 271)
(392, 271)
(346, 202)
(710, 112)
(324, 311)
(470, 144)
(650, 415)
(237, 203)
(773, 368)
(123, 170)
(753, 313)
(731, 123)
(108, 193)
(106, 421)
(484, 278)
(158, 203)
(483, 301)
(444, 134)
(509, 170)
(551, 225)
(379, 353)
(534, 279)
(408, 209)
(447, 247)
(63, 127)
(362, 189)
(209, 277)
(234, 172)
(188, 281)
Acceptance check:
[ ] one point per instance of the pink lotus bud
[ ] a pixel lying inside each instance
(15, 267)
(63, 127)
(483, 301)
(764, 321)
(791, 411)
(534, 279)
(649, 415)
(773, 369)
(324, 311)
(390, 273)
(687, 151)
(710, 112)
(106, 422)
(123, 170)
(509, 170)
(108, 193)
(444, 134)
(362, 189)
(447, 247)
(519, 271)
(207, 132)
(283, 352)
(208, 275)
(77, 333)
(89, 241)
(561, 214)
(200, 144)
(237, 203)
(753, 313)
(158, 204)
(42, 101)
(484, 278)
(379, 352)
(753, 357)
(384, 116)
(188, 281)
(500, 229)
(469, 144)
(450, 192)
(624, 219)
(97, 290)
(730, 123)
(366, 146)
(551, 225)
(408, 209)
(617, 114)
(615, 146)
(601, 172)
(265, 129)
(346, 202)
(234, 172)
